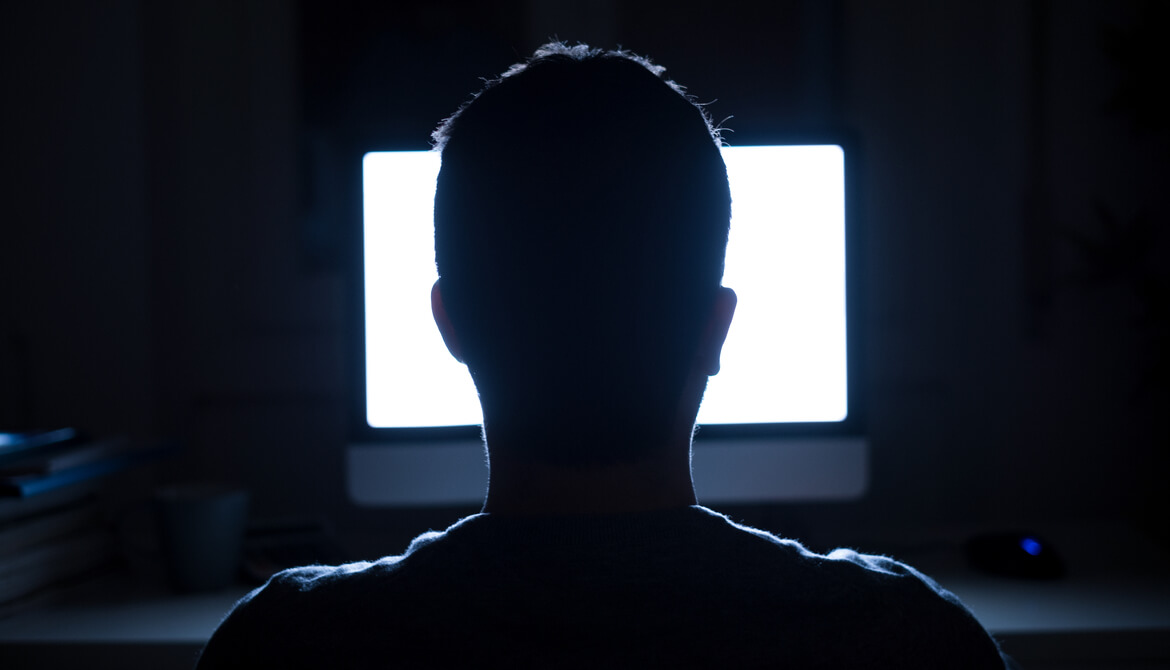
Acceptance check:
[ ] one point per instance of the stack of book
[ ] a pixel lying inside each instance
(52, 532)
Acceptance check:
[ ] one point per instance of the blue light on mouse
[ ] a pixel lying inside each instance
(1031, 545)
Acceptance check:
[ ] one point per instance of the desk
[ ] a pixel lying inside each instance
(118, 623)
(1087, 622)
(1102, 621)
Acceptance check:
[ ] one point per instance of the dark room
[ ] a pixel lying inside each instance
(960, 363)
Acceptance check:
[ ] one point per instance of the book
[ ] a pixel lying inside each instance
(27, 485)
(59, 591)
(47, 461)
(43, 565)
(20, 443)
(16, 536)
(12, 509)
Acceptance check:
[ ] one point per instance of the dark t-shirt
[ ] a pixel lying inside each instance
(678, 588)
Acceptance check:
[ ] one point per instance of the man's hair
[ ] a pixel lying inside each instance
(581, 219)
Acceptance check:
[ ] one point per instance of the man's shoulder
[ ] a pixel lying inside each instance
(299, 616)
(884, 610)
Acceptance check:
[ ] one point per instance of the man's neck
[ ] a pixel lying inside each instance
(523, 487)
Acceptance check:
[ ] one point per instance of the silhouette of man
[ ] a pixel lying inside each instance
(581, 218)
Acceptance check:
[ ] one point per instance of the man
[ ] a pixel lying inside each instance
(581, 218)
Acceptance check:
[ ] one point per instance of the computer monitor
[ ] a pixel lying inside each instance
(781, 421)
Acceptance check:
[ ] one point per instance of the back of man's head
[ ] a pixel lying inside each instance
(581, 219)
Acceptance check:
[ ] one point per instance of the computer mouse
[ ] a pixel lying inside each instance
(1014, 554)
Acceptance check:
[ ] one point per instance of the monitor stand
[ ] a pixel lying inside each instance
(754, 470)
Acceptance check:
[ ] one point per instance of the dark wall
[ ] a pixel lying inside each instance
(171, 268)
(75, 317)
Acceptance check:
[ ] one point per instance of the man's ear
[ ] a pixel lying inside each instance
(439, 310)
(715, 333)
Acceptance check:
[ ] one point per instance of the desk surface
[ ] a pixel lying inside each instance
(121, 611)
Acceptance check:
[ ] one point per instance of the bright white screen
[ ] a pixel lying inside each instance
(784, 360)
